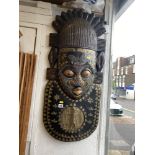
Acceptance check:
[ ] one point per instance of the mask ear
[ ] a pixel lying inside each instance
(100, 62)
(100, 54)
(99, 67)
(53, 57)
(98, 78)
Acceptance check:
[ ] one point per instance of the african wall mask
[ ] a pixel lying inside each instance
(72, 94)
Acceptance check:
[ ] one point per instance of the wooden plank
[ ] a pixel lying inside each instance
(22, 81)
(30, 62)
(29, 94)
(21, 65)
(23, 110)
(21, 117)
(23, 104)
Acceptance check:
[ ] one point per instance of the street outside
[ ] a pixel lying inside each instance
(122, 129)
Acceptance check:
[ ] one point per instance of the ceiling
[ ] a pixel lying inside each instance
(53, 1)
(119, 5)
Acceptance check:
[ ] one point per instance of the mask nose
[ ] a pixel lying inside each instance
(78, 82)
(76, 85)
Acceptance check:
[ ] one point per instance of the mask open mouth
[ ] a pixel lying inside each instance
(77, 91)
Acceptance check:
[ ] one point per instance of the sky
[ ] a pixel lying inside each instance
(123, 34)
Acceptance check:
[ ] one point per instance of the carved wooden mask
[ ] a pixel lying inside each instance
(72, 95)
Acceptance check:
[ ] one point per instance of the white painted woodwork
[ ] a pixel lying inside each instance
(39, 141)
(37, 52)
(27, 40)
(44, 5)
(106, 87)
(35, 18)
(35, 10)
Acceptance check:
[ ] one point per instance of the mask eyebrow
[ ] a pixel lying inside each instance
(68, 67)
(87, 65)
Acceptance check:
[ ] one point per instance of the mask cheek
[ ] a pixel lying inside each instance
(69, 85)
(66, 84)
(88, 83)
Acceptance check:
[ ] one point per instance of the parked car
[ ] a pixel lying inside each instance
(113, 96)
(132, 152)
(115, 109)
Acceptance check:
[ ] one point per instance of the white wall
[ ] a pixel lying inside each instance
(27, 41)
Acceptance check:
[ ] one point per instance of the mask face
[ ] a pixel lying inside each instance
(76, 71)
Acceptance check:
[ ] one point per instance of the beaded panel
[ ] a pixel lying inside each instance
(70, 120)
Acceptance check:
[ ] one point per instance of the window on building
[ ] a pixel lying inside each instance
(113, 72)
(132, 60)
(116, 83)
(126, 70)
(123, 78)
(118, 63)
(117, 71)
(121, 70)
(133, 69)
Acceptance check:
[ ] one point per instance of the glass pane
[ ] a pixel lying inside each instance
(122, 102)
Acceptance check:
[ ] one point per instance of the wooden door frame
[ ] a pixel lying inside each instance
(32, 106)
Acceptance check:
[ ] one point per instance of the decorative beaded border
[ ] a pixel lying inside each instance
(47, 120)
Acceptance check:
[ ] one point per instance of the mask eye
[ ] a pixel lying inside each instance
(68, 73)
(86, 73)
